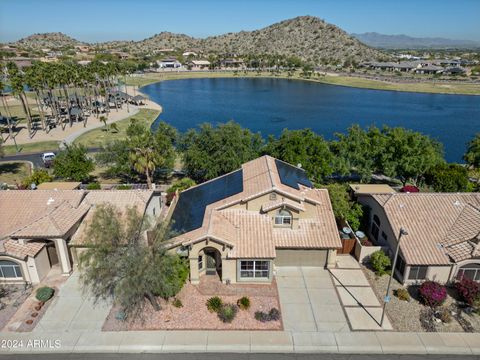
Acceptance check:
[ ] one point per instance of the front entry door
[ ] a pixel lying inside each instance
(211, 263)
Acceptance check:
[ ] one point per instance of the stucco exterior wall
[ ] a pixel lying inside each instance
(42, 264)
(154, 206)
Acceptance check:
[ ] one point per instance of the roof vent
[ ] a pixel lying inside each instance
(50, 201)
(457, 203)
(402, 206)
(299, 165)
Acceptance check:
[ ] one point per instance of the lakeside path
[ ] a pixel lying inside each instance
(431, 87)
(69, 134)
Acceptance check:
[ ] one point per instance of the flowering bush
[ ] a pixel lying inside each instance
(468, 290)
(432, 293)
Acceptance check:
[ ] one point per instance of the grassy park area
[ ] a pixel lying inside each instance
(99, 136)
(14, 171)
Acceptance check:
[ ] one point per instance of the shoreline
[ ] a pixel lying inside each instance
(328, 79)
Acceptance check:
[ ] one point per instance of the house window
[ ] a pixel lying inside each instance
(200, 262)
(273, 196)
(400, 266)
(418, 273)
(283, 217)
(10, 270)
(384, 236)
(471, 271)
(254, 269)
(375, 227)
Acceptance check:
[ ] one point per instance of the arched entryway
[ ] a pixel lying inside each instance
(213, 261)
(471, 271)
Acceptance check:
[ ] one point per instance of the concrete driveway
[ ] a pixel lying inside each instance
(309, 300)
(71, 311)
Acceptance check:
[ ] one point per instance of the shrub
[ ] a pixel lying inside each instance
(272, 315)
(402, 294)
(444, 315)
(38, 177)
(94, 186)
(124, 187)
(244, 303)
(227, 312)
(468, 290)
(214, 304)
(175, 278)
(177, 303)
(432, 293)
(44, 293)
(380, 262)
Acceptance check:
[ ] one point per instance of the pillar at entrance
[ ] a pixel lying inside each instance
(63, 256)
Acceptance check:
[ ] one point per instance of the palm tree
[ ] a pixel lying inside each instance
(34, 82)
(17, 83)
(144, 158)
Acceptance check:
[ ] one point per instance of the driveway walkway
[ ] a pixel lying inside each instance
(309, 300)
(360, 303)
(71, 311)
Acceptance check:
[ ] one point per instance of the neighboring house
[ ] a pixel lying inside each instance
(443, 241)
(429, 69)
(243, 224)
(169, 64)
(232, 63)
(367, 189)
(189, 53)
(199, 64)
(37, 227)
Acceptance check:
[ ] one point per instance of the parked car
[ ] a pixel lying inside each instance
(48, 158)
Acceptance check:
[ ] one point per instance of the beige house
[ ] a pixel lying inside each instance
(37, 227)
(242, 225)
(443, 241)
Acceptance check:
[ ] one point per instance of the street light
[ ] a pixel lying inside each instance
(387, 298)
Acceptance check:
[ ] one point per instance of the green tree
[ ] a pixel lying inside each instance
(38, 177)
(448, 178)
(303, 147)
(343, 208)
(408, 155)
(213, 151)
(472, 156)
(115, 157)
(149, 151)
(73, 163)
(17, 82)
(358, 151)
(119, 264)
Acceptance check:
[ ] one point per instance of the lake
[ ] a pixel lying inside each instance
(270, 105)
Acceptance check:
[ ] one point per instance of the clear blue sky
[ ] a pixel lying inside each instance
(100, 20)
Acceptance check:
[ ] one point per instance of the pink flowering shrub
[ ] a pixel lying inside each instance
(432, 293)
(468, 290)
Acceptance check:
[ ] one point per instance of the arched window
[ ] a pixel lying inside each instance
(471, 271)
(283, 217)
(10, 269)
(375, 227)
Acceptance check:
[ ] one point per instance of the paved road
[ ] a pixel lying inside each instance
(36, 158)
(235, 356)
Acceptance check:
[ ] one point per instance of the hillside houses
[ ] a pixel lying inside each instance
(450, 67)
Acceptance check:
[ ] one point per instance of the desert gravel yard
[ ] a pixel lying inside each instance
(194, 315)
(405, 316)
(12, 297)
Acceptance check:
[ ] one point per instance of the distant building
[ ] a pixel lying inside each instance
(82, 48)
(232, 63)
(189, 53)
(170, 63)
(199, 64)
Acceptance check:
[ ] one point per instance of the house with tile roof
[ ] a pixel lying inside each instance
(443, 241)
(40, 229)
(240, 226)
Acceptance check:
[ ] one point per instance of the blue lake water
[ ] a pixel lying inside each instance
(270, 105)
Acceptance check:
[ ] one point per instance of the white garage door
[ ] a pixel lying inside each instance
(290, 257)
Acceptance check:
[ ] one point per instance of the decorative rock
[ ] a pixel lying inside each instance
(34, 314)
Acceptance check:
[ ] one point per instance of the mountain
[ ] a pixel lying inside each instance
(306, 37)
(407, 42)
(47, 40)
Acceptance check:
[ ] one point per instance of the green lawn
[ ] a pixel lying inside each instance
(98, 137)
(31, 147)
(426, 87)
(15, 171)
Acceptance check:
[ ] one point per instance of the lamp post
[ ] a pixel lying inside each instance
(387, 298)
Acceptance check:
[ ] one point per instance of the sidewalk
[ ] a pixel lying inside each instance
(240, 341)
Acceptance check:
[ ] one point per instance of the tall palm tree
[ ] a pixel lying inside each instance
(143, 156)
(17, 83)
(34, 82)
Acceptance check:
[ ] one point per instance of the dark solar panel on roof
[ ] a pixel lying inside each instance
(291, 175)
(190, 209)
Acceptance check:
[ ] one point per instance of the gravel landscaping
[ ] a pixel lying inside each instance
(194, 315)
(13, 296)
(406, 315)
